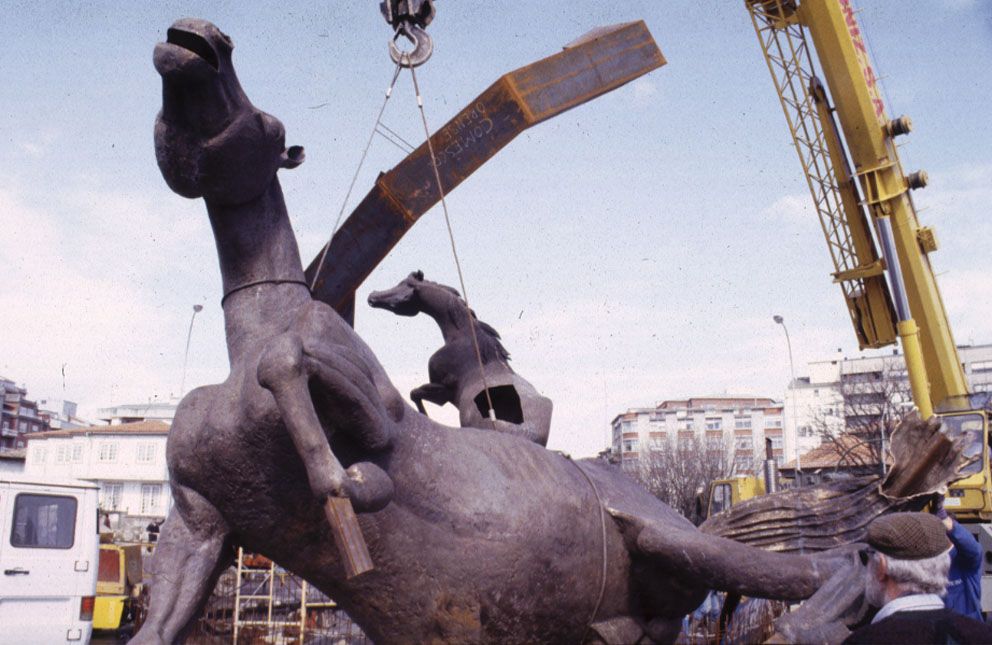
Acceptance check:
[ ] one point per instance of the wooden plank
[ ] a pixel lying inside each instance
(597, 63)
(347, 536)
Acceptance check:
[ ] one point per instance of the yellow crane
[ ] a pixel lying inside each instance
(846, 143)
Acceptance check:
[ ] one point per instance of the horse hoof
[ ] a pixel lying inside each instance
(368, 487)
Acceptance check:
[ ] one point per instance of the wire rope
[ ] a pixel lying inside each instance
(454, 250)
(354, 178)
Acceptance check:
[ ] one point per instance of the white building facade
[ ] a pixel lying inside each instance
(741, 424)
(154, 410)
(126, 460)
(823, 399)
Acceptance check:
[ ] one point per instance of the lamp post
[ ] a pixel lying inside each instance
(792, 384)
(196, 309)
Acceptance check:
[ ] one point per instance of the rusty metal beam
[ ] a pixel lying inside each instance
(598, 62)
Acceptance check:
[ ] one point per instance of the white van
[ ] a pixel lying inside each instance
(49, 550)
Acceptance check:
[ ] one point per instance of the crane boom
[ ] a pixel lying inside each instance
(854, 174)
(871, 189)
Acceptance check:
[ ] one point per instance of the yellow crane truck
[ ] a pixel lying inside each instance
(846, 144)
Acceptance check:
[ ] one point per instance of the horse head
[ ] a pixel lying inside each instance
(404, 298)
(210, 141)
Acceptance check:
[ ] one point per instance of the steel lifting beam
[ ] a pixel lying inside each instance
(598, 62)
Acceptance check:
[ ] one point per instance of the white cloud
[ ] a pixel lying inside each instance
(644, 90)
(41, 144)
(791, 209)
(93, 302)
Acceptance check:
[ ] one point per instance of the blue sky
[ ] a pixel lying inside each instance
(631, 250)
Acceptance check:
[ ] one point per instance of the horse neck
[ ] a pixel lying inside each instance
(255, 242)
(448, 311)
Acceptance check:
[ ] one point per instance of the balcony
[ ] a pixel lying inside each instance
(8, 432)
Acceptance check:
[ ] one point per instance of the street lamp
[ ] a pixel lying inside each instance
(196, 309)
(792, 384)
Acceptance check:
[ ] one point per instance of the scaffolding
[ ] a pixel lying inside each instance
(271, 598)
(257, 602)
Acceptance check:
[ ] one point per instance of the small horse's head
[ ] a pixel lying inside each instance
(210, 141)
(402, 299)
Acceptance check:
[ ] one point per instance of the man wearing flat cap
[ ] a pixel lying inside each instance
(907, 563)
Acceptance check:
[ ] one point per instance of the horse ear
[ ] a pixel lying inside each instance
(417, 275)
(291, 157)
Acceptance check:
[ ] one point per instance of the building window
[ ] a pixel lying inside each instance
(629, 445)
(774, 422)
(146, 453)
(62, 454)
(715, 423)
(77, 454)
(981, 367)
(150, 498)
(742, 423)
(108, 451)
(111, 495)
(776, 443)
(39, 456)
(23, 426)
(743, 443)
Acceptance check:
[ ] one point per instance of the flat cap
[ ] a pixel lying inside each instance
(908, 536)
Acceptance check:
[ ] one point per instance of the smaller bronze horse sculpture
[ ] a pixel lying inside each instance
(454, 370)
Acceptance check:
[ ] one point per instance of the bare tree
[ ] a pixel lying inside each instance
(855, 426)
(673, 471)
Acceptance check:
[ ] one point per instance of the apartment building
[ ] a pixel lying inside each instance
(738, 424)
(19, 418)
(848, 393)
(153, 410)
(126, 460)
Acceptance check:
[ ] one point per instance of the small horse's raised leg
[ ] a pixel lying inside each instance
(433, 392)
(189, 557)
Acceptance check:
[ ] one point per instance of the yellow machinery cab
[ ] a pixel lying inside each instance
(730, 491)
(118, 578)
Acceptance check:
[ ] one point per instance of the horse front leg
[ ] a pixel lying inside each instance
(285, 371)
(433, 392)
(189, 557)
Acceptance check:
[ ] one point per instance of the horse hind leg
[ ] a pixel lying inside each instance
(193, 551)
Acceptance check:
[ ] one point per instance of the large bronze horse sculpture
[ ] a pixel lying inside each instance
(459, 375)
(475, 535)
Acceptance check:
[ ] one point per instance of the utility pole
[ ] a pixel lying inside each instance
(182, 387)
(792, 394)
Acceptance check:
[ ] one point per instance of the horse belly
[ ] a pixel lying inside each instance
(507, 537)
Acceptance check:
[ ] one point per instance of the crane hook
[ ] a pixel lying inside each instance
(408, 18)
(422, 49)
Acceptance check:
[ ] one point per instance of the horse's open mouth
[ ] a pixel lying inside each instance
(194, 43)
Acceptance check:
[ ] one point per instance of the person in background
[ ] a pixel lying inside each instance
(907, 564)
(964, 586)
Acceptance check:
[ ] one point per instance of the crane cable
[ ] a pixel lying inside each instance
(454, 250)
(354, 178)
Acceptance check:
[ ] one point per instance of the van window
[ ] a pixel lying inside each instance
(44, 521)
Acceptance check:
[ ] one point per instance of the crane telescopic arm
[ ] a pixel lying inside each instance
(858, 186)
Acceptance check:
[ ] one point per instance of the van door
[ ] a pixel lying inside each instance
(4, 489)
(43, 552)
